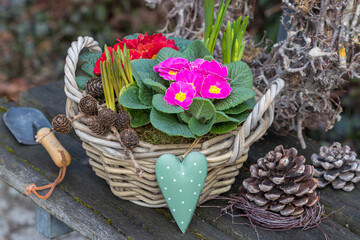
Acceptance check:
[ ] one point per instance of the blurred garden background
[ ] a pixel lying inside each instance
(35, 36)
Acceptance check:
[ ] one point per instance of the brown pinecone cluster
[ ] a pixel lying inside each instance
(282, 183)
(94, 87)
(337, 166)
(99, 120)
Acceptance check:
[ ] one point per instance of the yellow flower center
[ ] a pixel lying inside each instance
(153, 57)
(172, 73)
(214, 89)
(180, 96)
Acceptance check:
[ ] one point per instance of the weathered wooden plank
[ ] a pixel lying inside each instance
(85, 187)
(17, 174)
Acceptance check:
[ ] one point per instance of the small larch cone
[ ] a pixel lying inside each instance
(281, 182)
(94, 87)
(61, 124)
(337, 166)
(122, 120)
(95, 125)
(88, 105)
(129, 138)
(107, 117)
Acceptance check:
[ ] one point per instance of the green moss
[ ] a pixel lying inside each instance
(151, 135)
(165, 213)
(37, 169)
(7, 148)
(200, 236)
(107, 220)
(3, 109)
(2, 161)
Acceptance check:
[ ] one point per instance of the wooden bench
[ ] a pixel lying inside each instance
(85, 203)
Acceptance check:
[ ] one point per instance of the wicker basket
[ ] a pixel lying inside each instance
(225, 153)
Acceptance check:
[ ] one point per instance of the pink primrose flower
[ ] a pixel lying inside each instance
(170, 67)
(215, 87)
(213, 68)
(195, 78)
(180, 93)
(196, 63)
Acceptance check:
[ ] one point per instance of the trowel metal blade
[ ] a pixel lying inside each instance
(21, 122)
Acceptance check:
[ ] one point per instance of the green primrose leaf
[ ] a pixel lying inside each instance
(247, 105)
(81, 81)
(166, 53)
(240, 73)
(237, 96)
(130, 99)
(201, 108)
(200, 129)
(161, 105)
(222, 117)
(156, 86)
(240, 117)
(184, 117)
(196, 50)
(146, 95)
(224, 127)
(132, 36)
(169, 124)
(181, 43)
(139, 118)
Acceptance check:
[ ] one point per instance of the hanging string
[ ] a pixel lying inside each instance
(190, 148)
(32, 188)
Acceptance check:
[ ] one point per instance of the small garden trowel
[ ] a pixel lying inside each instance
(25, 123)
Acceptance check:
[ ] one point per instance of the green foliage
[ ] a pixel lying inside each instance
(130, 99)
(89, 59)
(169, 124)
(138, 118)
(232, 44)
(236, 97)
(167, 53)
(241, 117)
(240, 73)
(222, 117)
(201, 108)
(196, 50)
(224, 127)
(181, 43)
(247, 105)
(156, 86)
(200, 129)
(81, 81)
(146, 95)
(161, 105)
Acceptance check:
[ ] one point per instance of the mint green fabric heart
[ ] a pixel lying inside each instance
(181, 184)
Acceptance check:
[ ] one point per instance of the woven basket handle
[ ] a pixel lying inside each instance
(71, 88)
(265, 103)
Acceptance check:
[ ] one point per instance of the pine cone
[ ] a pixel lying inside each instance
(280, 182)
(337, 165)
(122, 120)
(107, 117)
(61, 124)
(95, 125)
(88, 105)
(94, 87)
(129, 138)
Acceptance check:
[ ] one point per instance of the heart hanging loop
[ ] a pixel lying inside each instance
(190, 148)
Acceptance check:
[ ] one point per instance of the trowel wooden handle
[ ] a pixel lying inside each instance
(53, 147)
